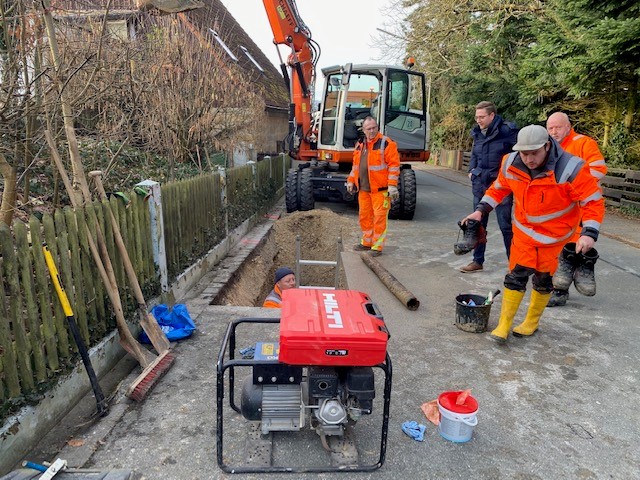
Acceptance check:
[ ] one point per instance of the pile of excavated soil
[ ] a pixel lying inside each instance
(319, 231)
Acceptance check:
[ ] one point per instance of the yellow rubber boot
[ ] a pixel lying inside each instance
(537, 305)
(510, 302)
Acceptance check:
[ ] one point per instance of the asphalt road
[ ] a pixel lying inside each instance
(562, 404)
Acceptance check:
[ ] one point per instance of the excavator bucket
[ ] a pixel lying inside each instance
(169, 6)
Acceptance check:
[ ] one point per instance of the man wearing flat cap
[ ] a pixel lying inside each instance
(551, 190)
(284, 279)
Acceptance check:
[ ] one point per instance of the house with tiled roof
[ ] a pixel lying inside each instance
(214, 28)
(214, 20)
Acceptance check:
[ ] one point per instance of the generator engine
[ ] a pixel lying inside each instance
(286, 398)
(323, 377)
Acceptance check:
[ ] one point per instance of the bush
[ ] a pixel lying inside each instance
(623, 150)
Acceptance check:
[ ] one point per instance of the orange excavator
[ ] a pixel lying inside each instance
(322, 140)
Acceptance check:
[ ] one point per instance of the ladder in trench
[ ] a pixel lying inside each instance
(337, 264)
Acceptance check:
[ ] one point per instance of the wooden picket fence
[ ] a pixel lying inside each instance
(200, 212)
(34, 338)
(35, 343)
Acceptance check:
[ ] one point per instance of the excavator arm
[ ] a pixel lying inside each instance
(299, 73)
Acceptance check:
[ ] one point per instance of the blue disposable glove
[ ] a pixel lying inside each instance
(248, 352)
(415, 430)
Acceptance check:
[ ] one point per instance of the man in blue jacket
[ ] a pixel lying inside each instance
(493, 137)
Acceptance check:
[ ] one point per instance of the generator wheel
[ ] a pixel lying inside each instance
(291, 190)
(305, 189)
(407, 194)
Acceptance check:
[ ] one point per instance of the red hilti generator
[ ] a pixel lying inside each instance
(318, 374)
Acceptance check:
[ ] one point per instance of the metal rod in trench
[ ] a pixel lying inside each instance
(393, 285)
(103, 409)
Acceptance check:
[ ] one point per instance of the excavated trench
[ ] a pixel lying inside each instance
(319, 231)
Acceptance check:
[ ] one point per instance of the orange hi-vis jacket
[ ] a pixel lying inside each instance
(587, 149)
(383, 162)
(548, 208)
(274, 299)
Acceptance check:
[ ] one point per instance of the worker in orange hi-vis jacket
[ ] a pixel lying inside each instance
(374, 175)
(552, 192)
(284, 279)
(585, 147)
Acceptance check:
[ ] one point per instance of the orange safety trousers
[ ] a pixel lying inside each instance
(544, 259)
(373, 213)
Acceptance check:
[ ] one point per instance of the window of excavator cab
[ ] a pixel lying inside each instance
(405, 117)
(362, 99)
(364, 90)
(399, 91)
(334, 87)
(405, 92)
(330, 112)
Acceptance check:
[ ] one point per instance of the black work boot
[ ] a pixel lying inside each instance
(474, 234)
(567, 264)
(558, 298)
(584, 277)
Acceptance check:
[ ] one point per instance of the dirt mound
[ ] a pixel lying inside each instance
(319, 231)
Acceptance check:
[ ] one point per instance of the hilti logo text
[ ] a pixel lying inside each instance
(331, 309)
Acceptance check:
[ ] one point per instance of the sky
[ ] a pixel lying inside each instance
(344, 29)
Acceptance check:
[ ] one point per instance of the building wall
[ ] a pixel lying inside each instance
(275, 133)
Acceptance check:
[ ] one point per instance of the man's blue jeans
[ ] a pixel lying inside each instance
(503, 214)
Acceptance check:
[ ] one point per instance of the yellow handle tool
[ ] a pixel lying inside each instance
(57, 283)
(75, 331)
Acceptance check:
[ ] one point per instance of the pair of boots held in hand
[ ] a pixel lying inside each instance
(510, 303)
(576, 268)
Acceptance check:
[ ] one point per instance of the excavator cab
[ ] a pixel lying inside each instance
(395, 97)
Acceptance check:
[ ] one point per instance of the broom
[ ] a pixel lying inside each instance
(147, 321)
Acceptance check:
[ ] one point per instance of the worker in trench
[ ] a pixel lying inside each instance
(284, 279)
(552, 191)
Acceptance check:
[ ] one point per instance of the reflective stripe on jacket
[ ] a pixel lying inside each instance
(587, 149)
(274, 299)
(548, 208)
(383, 163)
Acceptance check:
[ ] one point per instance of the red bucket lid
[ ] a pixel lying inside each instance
(448, 401)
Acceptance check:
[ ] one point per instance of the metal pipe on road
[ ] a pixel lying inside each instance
(393, 285)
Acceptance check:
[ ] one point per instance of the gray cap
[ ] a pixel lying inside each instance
(531, 137)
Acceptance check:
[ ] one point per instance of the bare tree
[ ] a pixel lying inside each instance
(170, 91)
(20, 99)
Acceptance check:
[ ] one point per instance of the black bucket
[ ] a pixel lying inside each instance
(472, 318)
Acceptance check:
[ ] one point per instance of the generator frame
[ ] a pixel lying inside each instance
(222, 365)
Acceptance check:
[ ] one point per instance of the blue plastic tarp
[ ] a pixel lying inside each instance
(176, 323)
